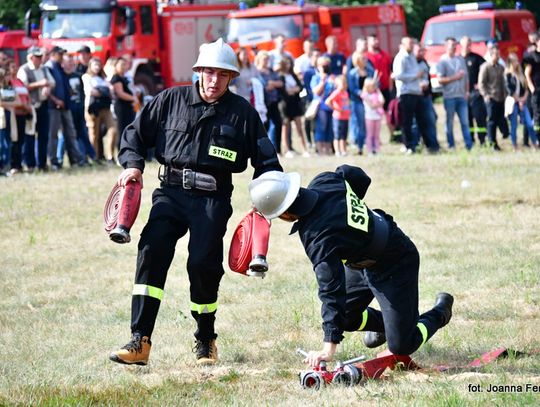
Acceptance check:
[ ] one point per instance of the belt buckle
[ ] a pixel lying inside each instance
(187, 178)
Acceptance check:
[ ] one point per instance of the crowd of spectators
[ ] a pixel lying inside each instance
(345, 100)
(55, 105)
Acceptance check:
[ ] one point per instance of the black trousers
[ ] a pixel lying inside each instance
(478, 116)
(17, 146)
(274, 117)
(495, 114)
(124, 116)
(535, 102)
(174, 212)
(396, 291)
(410, 108)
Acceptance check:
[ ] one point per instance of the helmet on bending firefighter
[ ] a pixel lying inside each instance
(279, 195)
(216, 65)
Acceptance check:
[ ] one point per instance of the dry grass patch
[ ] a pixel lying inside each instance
(66, 292)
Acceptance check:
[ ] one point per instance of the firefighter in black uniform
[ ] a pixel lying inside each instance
(476, 104)
(357, 254)
(202, 134)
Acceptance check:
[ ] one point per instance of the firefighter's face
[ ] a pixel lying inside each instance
(214, 83)
(288, 217)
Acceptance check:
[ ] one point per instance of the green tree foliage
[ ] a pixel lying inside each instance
(12, 12)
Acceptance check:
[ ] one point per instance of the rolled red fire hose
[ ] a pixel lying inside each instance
(250, 239)
(121, 210)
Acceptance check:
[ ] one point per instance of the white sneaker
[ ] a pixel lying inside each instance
(289, 154)
(306, 154)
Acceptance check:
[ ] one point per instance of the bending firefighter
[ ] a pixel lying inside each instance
(202, 134)
(357, 254)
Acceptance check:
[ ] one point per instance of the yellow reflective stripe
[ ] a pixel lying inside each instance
(148, 290)
(481, 129)
(423, 330)
(536, 128)
(357, 211)
(204, 308)
(223, 153)
(364, 320)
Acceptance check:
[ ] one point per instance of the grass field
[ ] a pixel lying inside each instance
(66, 292)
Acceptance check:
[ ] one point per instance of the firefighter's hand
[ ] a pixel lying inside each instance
(130, 174)
(314, 358)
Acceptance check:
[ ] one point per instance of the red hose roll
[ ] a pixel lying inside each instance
(121, 210)
(250, 239)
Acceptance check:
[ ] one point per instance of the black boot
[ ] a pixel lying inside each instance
(443, 303)
(374, 339)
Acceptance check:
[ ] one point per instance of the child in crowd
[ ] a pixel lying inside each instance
(373, 102)
(340, 104)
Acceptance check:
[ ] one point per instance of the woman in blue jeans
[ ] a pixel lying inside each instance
(322, 85)
(355, 80)
(517, 89)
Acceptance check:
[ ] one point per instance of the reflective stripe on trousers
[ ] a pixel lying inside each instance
(148, 290)
(204, 308)
(423, 330)
(364, 320)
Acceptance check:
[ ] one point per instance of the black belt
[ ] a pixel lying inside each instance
(377, 245)
(187, 179)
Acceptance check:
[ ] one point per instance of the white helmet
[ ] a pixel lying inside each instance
(217, 54)
(273, 192)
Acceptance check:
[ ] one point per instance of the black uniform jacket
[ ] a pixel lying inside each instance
(339, 231)
(187, 132)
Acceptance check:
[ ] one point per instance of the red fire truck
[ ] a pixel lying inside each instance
(482, 23)
(163, 37)
(257, 26)
(15, 43)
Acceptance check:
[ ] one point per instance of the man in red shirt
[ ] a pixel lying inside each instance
(382, 63)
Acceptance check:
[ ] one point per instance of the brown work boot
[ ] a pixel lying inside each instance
(206, 352)
(135, 352)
